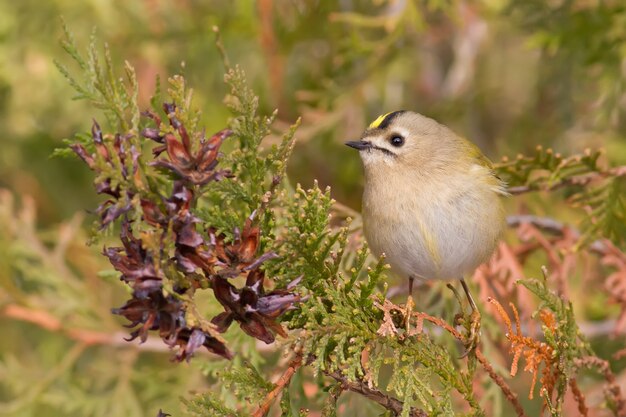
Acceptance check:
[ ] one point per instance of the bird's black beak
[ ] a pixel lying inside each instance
(359, 144)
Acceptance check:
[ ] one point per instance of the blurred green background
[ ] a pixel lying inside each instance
(509, 74)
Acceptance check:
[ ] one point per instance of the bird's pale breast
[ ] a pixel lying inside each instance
(432, 230)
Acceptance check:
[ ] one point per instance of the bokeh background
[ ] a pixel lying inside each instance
(509, 74)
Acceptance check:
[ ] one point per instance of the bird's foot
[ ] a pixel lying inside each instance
(408, 312)
(473, 333)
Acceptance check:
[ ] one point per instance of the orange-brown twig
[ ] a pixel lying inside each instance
(579, 397)
(439, 322)
(280, 385)
(508, 393)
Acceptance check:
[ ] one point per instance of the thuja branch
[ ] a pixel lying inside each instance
(546, 170)
(360, 387)
(580, 180)
(281, 384)
(589, 184)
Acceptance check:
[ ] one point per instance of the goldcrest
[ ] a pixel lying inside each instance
(431, 201)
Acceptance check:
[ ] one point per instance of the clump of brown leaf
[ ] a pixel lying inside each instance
(173, 257)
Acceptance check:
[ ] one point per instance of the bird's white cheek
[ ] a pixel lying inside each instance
(374, 158)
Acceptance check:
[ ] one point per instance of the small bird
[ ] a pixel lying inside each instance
(431, 202)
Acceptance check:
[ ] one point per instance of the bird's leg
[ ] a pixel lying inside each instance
(473, 337)
(409, 305)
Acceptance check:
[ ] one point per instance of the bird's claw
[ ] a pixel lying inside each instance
(408, 312)
(473, 335)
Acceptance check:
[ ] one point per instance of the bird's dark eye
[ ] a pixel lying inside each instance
(397, 141)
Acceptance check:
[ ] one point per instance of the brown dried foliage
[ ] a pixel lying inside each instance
(535, 353)
(197, 168)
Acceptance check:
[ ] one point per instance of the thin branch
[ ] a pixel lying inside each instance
(557, 228)
(220, 47)
(269, 195)
(47, 321)
(280, 385)
(613, 389)
(620, 354)
(545, 223)
(390, 403)
(579, 397)
(508, 393)
(439, 322)
(589, 328)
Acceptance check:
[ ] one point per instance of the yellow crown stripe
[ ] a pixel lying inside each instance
(379, 120)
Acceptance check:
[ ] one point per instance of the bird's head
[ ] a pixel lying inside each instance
(400, 138)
